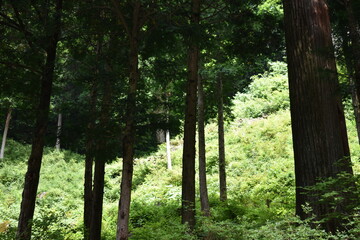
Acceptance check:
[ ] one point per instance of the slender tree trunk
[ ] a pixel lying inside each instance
(34, 163)
(350, 70)
(99, 173)
(58, 132)
(168, 149)
(89, 159)
(129, 131)
(320, 141)
(188, 160)
(222, 162)
(100, 159)
(6, 128)
(204, 199)
(354, 56)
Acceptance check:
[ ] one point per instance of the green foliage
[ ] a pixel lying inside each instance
(259, 174)
(265, 95)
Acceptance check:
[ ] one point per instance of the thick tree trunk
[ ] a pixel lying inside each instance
(222, 162)
(188, 160)
(58, 132)
(204, 199)
(129, 131)
(168, 149)
(89, 159)
(34, 163)
(6, 128)
(318, 125)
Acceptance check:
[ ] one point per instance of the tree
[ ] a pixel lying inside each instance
(132, 29)
(188, 159)
(6, 128)
(222, 162)
(32, 176)
(320, 141)
(204, 198)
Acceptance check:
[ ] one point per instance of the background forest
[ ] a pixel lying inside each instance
(93, 90)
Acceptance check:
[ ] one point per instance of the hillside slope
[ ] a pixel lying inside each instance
(259, 174)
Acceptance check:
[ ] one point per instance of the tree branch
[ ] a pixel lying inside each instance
(19, 65)
(120, 16)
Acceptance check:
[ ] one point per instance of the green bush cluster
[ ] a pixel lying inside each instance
(266, 94)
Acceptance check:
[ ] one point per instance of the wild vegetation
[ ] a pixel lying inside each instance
(261, 196)
(261, 101)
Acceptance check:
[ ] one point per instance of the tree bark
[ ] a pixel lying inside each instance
(6, 128)
(168, 149)
(129, 131)
(204, 198)
(34, 163)
(222, 162)
(89, 159)
(355, 60)
(350, 69)
(188, 160)
(100, 160)
(320, 140)
(58, 132)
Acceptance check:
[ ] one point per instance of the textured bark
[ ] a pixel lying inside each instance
(89, 159)
(34, 163)
(222, 162)
(168, 149)
(58, 132)
(6, 128)
(129, 131)
(318, 125)
(204, 198)
(188, 159)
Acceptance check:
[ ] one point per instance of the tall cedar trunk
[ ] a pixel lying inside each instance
(204, 199)
(168, 149)
(188, 160)
(89, 158)
(100, 159)
(58, 132)
(318, 125)
(222, 163)
(129, 131)
(6, 128)
(355, 59)
(34, 163)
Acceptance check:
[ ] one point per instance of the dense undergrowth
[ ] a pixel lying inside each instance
(259, 173)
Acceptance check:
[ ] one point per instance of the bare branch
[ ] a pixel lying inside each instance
(19, 65)
(120, 15)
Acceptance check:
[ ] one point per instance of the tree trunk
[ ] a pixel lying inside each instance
(320, 141)
(100, 160)
(222, 162)
(354, 56)
(34, 163)
(129, 131)
(89, 159)
(168, 149)
(188, 160)
(204, 199)
(6, 128)
(350, 69)
(58, 132)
